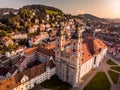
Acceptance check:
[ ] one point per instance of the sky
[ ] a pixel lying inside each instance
(101, 8)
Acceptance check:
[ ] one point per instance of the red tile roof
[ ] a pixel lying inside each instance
(86, 55)
(94, 45)
(29, 50)
(48, 52)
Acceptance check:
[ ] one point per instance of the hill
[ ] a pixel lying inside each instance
(115, 20)
(4, 11)
(91, 18)
(43, 8)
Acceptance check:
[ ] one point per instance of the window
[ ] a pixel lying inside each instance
(73, 50)
(95, 60)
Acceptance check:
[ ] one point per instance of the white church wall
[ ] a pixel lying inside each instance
(86, 67)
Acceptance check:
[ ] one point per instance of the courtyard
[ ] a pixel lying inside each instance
(54, 83)
(106, 77)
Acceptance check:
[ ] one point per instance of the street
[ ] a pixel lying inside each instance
(113, 59)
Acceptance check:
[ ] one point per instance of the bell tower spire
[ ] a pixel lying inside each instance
(76, 52)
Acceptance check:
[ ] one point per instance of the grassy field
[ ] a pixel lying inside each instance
(99, 82)
(111, 62)
(51, 12)
(114, 76)
(117, 68)
(56, 84)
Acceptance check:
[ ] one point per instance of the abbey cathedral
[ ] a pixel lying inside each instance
(77, 58)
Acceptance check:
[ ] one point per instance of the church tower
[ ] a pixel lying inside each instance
(76, 54)
(60, 39)
(60, 42)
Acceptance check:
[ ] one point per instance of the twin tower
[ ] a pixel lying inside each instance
(68, 68)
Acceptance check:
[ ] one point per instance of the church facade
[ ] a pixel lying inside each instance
(79, 57)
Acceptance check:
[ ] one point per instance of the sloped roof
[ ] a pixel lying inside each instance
(29, 50)
(3, 71)
(86, 55)
(48, 52)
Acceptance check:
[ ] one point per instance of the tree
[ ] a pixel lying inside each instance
(10, 47)
(16, 31)
(3, 33)
(25, 13)
(14, 19)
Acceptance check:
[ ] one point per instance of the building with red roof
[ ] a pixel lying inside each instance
(75, 60)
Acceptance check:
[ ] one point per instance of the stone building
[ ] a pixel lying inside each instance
(77, 59)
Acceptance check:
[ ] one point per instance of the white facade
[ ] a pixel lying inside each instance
(28, 84)
(70, 66)
(19, 36)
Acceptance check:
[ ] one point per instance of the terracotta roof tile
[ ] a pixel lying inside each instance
(94, 45)
(29, 50)
(49, 52)
(85, 54)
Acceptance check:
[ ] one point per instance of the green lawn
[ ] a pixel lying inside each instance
(111, 62)
(99, 82)
(51, 12)
(56, 84)
(117, 68)
(114, 76)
